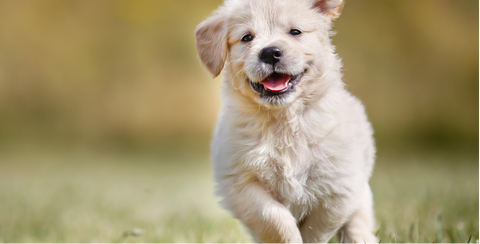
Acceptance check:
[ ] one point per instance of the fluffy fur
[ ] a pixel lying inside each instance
(294, 167)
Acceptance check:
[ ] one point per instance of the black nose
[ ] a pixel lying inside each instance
(271, 55)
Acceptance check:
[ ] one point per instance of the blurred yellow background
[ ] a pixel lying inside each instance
(124, 74)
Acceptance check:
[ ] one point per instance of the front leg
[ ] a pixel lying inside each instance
(266, 218)
(323, 222)
(360, 227)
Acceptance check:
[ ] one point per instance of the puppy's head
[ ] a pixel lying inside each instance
(273, 51)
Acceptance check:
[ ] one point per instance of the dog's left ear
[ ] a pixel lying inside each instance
(211, 41)
(330, 8)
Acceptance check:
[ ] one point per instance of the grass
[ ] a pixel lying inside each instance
(92, 197)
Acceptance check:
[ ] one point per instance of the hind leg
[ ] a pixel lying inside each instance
(360, 227)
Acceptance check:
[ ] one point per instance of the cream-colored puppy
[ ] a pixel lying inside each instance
(293, 150)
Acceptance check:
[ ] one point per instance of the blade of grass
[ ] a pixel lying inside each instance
(418, 232)
(410, 233)
(439, 228)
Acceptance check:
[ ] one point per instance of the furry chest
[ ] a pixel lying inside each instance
(290, 187)
(285, 175)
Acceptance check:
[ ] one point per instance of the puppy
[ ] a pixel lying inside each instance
(293, 150)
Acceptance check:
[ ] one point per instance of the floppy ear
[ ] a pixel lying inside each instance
(330, 8)
(211, 41)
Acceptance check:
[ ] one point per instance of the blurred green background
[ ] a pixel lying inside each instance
(125, 73)
(103, 101)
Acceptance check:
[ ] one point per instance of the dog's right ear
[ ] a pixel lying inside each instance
(211, 42)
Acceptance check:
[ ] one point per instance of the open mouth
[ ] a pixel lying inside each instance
(276, 84)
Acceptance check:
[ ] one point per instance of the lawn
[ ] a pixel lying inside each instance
(113, 197)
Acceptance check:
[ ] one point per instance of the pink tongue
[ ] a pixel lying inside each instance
(276, 82)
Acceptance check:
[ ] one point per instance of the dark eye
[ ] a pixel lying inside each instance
(247, 38)
(295, 32)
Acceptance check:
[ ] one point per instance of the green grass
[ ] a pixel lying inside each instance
(88, 197)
